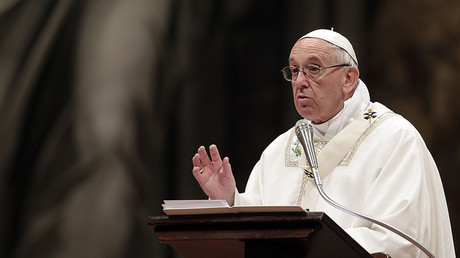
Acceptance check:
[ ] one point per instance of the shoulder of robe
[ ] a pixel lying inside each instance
(396, 127)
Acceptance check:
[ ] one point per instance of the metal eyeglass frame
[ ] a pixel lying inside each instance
(287, 70)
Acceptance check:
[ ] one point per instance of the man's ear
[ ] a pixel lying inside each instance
(351, 79)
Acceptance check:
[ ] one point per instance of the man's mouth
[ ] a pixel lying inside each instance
(302, 97)
(304, 100)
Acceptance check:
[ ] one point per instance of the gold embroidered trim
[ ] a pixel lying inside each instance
(319, 146)
(292, 162)
(294, 149)
(350, 154)
(302, 189)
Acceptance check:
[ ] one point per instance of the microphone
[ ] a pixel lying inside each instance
(304, 133)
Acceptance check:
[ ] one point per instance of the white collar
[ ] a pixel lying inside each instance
(351, 109)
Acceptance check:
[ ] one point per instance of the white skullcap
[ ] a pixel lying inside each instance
(334, 38)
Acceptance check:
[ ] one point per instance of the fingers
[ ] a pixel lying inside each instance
(197, 172)
(204, 158)
(215, 156)
(214, 174)
(196, 163)
(202, 162)
(196, 160)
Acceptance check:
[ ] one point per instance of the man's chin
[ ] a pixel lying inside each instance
(308, 114)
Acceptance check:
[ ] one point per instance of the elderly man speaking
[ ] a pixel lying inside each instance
(371, 160)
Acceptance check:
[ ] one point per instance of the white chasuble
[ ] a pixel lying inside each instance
(388, 174)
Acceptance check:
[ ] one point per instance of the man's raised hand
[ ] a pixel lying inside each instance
(214, 174)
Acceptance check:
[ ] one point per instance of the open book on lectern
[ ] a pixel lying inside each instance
(196, 207)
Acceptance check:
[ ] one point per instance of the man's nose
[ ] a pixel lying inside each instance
(301, 80)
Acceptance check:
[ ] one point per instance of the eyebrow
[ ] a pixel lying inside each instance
(310, 59)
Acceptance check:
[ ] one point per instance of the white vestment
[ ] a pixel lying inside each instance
(388, 175)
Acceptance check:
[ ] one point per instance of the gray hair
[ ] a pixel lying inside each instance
(344, 58)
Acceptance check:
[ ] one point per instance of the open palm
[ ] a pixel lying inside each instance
(214, 174)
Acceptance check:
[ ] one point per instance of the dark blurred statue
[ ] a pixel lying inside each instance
(76, 88)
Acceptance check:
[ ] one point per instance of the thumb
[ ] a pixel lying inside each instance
(227, 168)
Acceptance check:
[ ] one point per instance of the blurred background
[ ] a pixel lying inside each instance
(104, 103)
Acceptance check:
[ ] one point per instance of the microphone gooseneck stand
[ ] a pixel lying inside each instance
(304, 133)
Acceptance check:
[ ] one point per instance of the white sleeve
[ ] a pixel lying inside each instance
(253, 191)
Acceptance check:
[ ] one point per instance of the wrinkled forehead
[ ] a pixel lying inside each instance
(312, 50)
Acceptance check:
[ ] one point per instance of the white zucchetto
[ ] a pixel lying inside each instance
(334, 38)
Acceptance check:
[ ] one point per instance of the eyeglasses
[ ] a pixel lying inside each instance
(310, 71)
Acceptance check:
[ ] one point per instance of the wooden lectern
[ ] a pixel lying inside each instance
(274, 234)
